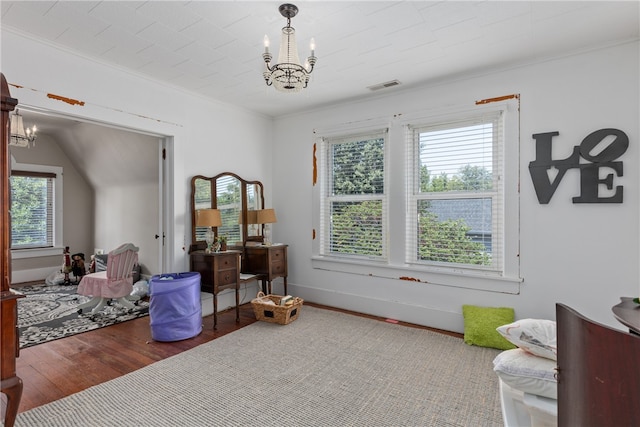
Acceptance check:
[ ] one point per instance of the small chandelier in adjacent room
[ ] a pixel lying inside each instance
(288, 75)
(21, 137)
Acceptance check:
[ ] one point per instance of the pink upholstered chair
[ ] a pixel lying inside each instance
(116, 282)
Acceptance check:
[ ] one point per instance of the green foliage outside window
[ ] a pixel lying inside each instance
(357, 184)
(28, 211)
(356, 228)
(358, 167)
(447, 241)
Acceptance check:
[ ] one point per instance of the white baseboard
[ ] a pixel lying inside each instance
(31, 275)
(423, 315)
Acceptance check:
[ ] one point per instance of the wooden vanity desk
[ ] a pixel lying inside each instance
(218, 271)
(238, 202)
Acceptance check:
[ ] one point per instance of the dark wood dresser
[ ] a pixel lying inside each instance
(11, 384)
(597, 372)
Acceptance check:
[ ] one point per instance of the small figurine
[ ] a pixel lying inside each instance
(66, 265)
(77, 265)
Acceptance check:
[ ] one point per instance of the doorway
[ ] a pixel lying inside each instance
(130, 173)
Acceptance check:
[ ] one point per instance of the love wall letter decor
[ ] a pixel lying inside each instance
(616, 142)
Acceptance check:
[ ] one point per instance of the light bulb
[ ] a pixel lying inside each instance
(266, 43)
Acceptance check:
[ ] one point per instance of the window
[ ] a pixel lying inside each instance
(31, 209)
(455, 205)
(36, 210)
(354, 203)
(433, 198)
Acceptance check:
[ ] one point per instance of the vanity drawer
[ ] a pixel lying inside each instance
(277, 255)
(226, 277)
(227, 262)
(278, 267)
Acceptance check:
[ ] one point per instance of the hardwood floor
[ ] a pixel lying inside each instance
(59, 368)
(56, 369)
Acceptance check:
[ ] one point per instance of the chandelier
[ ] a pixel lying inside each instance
(288, 75)
(21, 137)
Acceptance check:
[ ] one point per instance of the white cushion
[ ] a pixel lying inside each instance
(536, 336)
(526, 372)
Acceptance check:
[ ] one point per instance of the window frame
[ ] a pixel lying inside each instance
(396, 267)
(328, 198)
(56, 249)
(495, 194)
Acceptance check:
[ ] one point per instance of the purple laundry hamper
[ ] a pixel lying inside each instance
(174, 309)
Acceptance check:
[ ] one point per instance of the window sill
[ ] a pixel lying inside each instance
(36, 252)
(488, 281)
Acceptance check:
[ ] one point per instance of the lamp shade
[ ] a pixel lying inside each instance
(208, 218)
(267, 216)
(252, 217)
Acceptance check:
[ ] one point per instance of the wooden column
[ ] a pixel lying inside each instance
(10, 383)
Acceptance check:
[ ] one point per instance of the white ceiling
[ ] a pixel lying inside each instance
(214, 48)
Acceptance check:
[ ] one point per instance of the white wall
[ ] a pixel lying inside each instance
(584, 255)
(129, 211)
(208, 137)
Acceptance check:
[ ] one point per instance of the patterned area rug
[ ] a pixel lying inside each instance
(50, 312)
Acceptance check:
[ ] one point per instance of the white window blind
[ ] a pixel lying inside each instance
(354, 202)
(455, 194)
(32, 209)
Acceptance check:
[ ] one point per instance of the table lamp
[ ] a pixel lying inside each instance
(267, 216)
(208, 218)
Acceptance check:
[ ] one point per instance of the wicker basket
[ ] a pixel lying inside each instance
(275, 313)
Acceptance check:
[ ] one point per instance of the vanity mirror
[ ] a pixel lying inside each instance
(238, 201)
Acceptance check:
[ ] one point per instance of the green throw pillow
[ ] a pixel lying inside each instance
(480, 325)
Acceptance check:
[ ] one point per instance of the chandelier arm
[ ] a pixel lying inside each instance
(311, 64)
